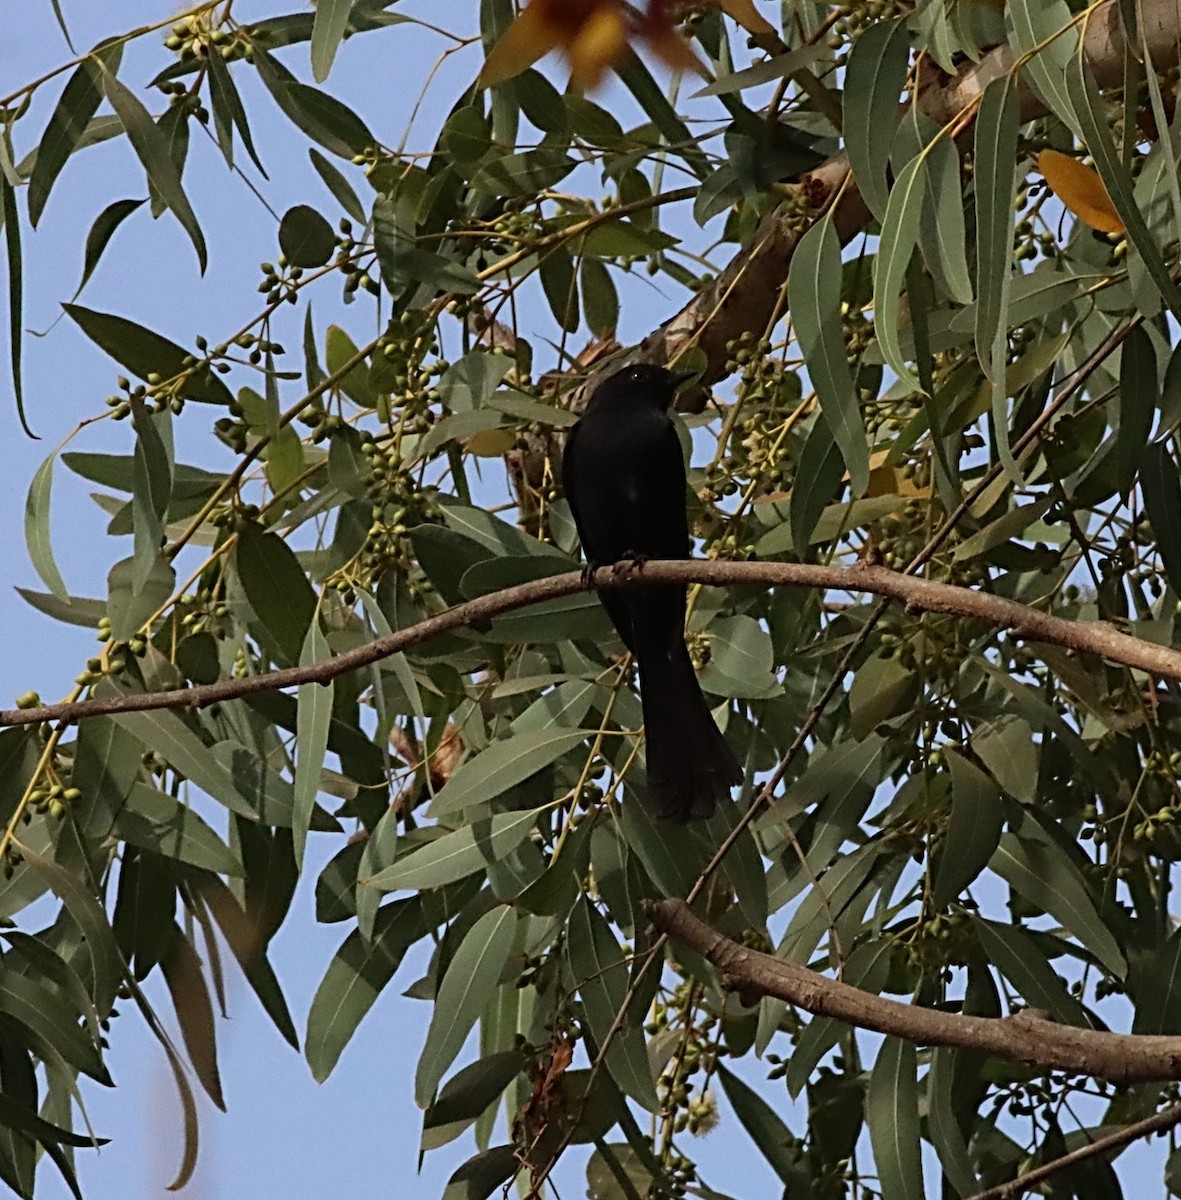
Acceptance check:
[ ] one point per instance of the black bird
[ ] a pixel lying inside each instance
(624, 478)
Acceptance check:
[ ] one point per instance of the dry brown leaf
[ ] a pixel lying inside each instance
(1081, 190)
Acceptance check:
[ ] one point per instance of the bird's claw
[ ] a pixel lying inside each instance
(629, 562)
(588, 573)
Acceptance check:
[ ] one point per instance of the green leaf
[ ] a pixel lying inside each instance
(874, 80)
(246, 938)
(600, 300)
(503, 765)
(1160, 485)
(1155, 985)
(359, 971)
(1038, 869)
(995, 182)
(741, 660)
(277, 590)
(155, 821)
(818, 480)
(194, 1012)
(52, 1022)
(1047, 27)
(338, 185)
(772, 69)
(900, 231)
(470, 1091)
(942, 232)
(1137, 406)
(151, 147)
(97, 948)
(228, 111)
(312, 718)
(305, 237)
(133, 597)
(558, 283)
(1023, 963)
(946, 1135)
(322, 117)
(10, 219)
(101, 233)
(892, 1113)
(977, 817)
(457, 854)
(37, 534)
(777, 1144)
(144, 353)
(169, 737)
(482, 1174)
(152, 490)
(466, 136)
(523, 174)
(1007, 748)
(815, 290)
(600, 973)
(75, 108)
(463, 993)
(328, 31)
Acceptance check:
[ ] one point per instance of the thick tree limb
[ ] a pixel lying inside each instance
(1026, 1037)
(919, 595)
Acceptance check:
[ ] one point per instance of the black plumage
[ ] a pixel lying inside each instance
(624, 477)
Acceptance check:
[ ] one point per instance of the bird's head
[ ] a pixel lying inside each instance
(640, 383)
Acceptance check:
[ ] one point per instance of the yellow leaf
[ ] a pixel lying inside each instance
(490, 443)
(1081, 190)
(533, 34)
(600, 42)
(749, 17)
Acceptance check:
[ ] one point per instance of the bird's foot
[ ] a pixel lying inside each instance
(629, 562)
(588, 573)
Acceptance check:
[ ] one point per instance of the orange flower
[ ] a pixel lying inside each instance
(593, 34)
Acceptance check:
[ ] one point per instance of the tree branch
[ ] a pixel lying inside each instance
(919, 595)
(1026, 1037)
(1157, 1123)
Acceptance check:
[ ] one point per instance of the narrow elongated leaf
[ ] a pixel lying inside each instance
(101, 233)
(1047, 27)
(312, 717)
(875, 75)
(946, 1135)
(942, 236)
(457, 854)
(322, 117)
(1160, 485)
(194, 1012)
(338, 185)
(1137, 406)
(37, 533)
(977, 816)
(278, 591)
(818, 481)
(75, 108)
(151, 147)
(1038, 869)
(144, 352)
(601, 975)
(503, 765)
(359, 971)
(1020, 960)
(900, 231)
(815, 291)
(228, 104)
(471, 976)
(892, 1113)
(328, 30)
(155, 821)
(170, 738)
(777, 1144)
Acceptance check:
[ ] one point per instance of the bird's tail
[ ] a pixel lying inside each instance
(690, 767)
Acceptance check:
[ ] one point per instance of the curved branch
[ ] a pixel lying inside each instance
(919, 595)
(1026, 1037)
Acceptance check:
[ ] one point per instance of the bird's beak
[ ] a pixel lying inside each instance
(678, 379)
